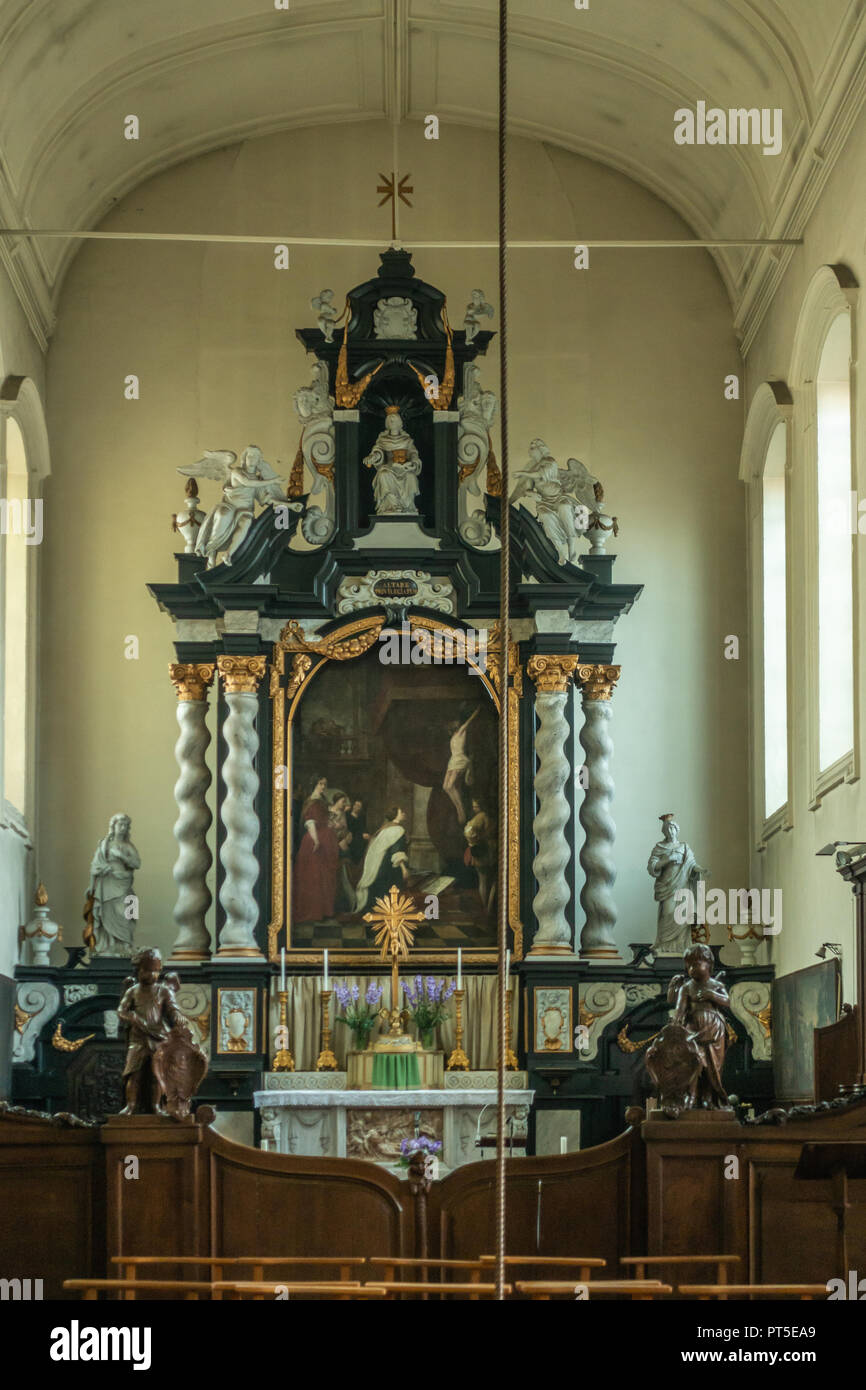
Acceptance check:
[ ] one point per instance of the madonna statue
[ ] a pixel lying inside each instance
(397, 464)
(110, 918)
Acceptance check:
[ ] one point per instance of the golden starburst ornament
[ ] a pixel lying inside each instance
(393, 920)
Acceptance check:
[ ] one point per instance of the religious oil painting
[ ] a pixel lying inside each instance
(394, 784)
(802, 1001)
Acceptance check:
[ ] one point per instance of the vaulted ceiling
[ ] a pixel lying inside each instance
(603, 82)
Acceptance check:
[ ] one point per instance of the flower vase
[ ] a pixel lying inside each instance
(427, 1039)
(362, 1039)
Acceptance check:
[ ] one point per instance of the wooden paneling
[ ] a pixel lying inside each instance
(837, 1055)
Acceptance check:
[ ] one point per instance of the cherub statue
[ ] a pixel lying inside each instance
(327, 314)
(162, 1061)
(397, 464)
(110, 928)
(475, 311)
(700, 998)
(244, 484)
(562, 498)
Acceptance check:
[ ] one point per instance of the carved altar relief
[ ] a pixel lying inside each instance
(378, 1134)
(395, 317)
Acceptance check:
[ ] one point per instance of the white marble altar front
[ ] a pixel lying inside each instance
(312, 1114)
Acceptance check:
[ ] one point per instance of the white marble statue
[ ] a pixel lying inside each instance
(675, 869)
(476, 408)
(395, 317)
(327, 313)
(476, 309)
(397, 464)
(244, 483)
(564, 498)
(112, 912)
(315, 410)
(188, 526)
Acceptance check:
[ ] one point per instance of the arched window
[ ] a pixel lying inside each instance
(775, 622)
(835, 578)
(17, 519)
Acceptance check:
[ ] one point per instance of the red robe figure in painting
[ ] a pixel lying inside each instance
(317, 862)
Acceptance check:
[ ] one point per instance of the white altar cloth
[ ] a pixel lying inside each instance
(336, 1123)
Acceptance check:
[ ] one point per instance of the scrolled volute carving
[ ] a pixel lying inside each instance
(241, 674)
(191, 678)
(597, 681)
(552, 674)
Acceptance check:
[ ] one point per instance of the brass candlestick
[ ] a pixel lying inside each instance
(327, 1061)
(510, 1059)
(283, 1059)
(458, 1061)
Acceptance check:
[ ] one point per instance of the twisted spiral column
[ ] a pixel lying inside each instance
(552, 675)
(241, 676)
(596, 855)
(191, 680)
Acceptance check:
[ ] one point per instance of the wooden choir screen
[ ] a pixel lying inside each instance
(587, 1203)
(275, 1204)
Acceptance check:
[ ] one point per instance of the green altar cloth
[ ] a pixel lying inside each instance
(397, 1071)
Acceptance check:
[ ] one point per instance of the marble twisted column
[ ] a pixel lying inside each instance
(191, 680)
(596, 855)
(241, 676)
(552, 675)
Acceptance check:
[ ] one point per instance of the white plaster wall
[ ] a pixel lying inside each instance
(622, 365)
(817, 905)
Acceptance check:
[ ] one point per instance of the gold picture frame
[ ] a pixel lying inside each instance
(294, 662)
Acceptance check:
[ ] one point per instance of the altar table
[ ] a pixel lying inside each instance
(327, 1120)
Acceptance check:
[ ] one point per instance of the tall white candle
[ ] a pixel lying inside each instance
(563, 1144)
(325, 983)
(282, 967)
(459, 968)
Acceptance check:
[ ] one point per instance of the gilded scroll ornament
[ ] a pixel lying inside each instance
(241, 674)
(191, 678)
(552, 673)
(598, 681)
(61, 1044)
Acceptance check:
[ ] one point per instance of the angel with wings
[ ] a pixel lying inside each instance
(564, 498)
(244, 484)
(327, 313)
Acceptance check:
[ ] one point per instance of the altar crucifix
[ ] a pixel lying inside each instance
(392, 919)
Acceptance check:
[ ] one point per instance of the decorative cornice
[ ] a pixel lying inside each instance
(191, 678)
(552, 673)
(597, 682)
(241, 674)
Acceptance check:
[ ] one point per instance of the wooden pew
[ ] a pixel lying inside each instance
(708, 1291)
(190, 1289)
(339, 1290)
(218, 1264)
(130, 1288)
(584, 1264)
(635, 1289)
(639, 1263)
(398, 1288)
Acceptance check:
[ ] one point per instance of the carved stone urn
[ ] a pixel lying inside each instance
(40, 931)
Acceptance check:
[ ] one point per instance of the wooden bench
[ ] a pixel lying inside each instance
(130, 1288)
(219, 1264)
(339, 1290)
(635, 1289)
(707, 1291)
(584, 1264)
(640, 1263)
(192, 1288)
(398, 1288)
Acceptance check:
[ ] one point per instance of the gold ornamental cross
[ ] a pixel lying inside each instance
(392, 188)
(393, 919)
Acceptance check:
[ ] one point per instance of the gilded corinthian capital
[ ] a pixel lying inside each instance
(598, 681)
(241, 674)
(191, 678)
(551, 673)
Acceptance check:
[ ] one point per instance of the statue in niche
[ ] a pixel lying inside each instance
(676, 871)
(395, 317)
(564, 498)
(318, 452)
(397, 464)
(164, 1067)
(244, 484)
(476, 408)
(686, 1059)
(476, 309)
(110, 910)
(327, 314)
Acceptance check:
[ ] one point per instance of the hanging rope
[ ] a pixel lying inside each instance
(504, 589)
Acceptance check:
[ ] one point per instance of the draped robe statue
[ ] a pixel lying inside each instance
(675, 869)
(111, 873)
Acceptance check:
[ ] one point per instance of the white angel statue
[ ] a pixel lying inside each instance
(327, 313)
(244, 484)
(564, 498)
(476, 307)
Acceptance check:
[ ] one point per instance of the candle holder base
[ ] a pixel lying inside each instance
(283, 1061)
(327, 1061)
(510, 1060)
(458, 1061)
